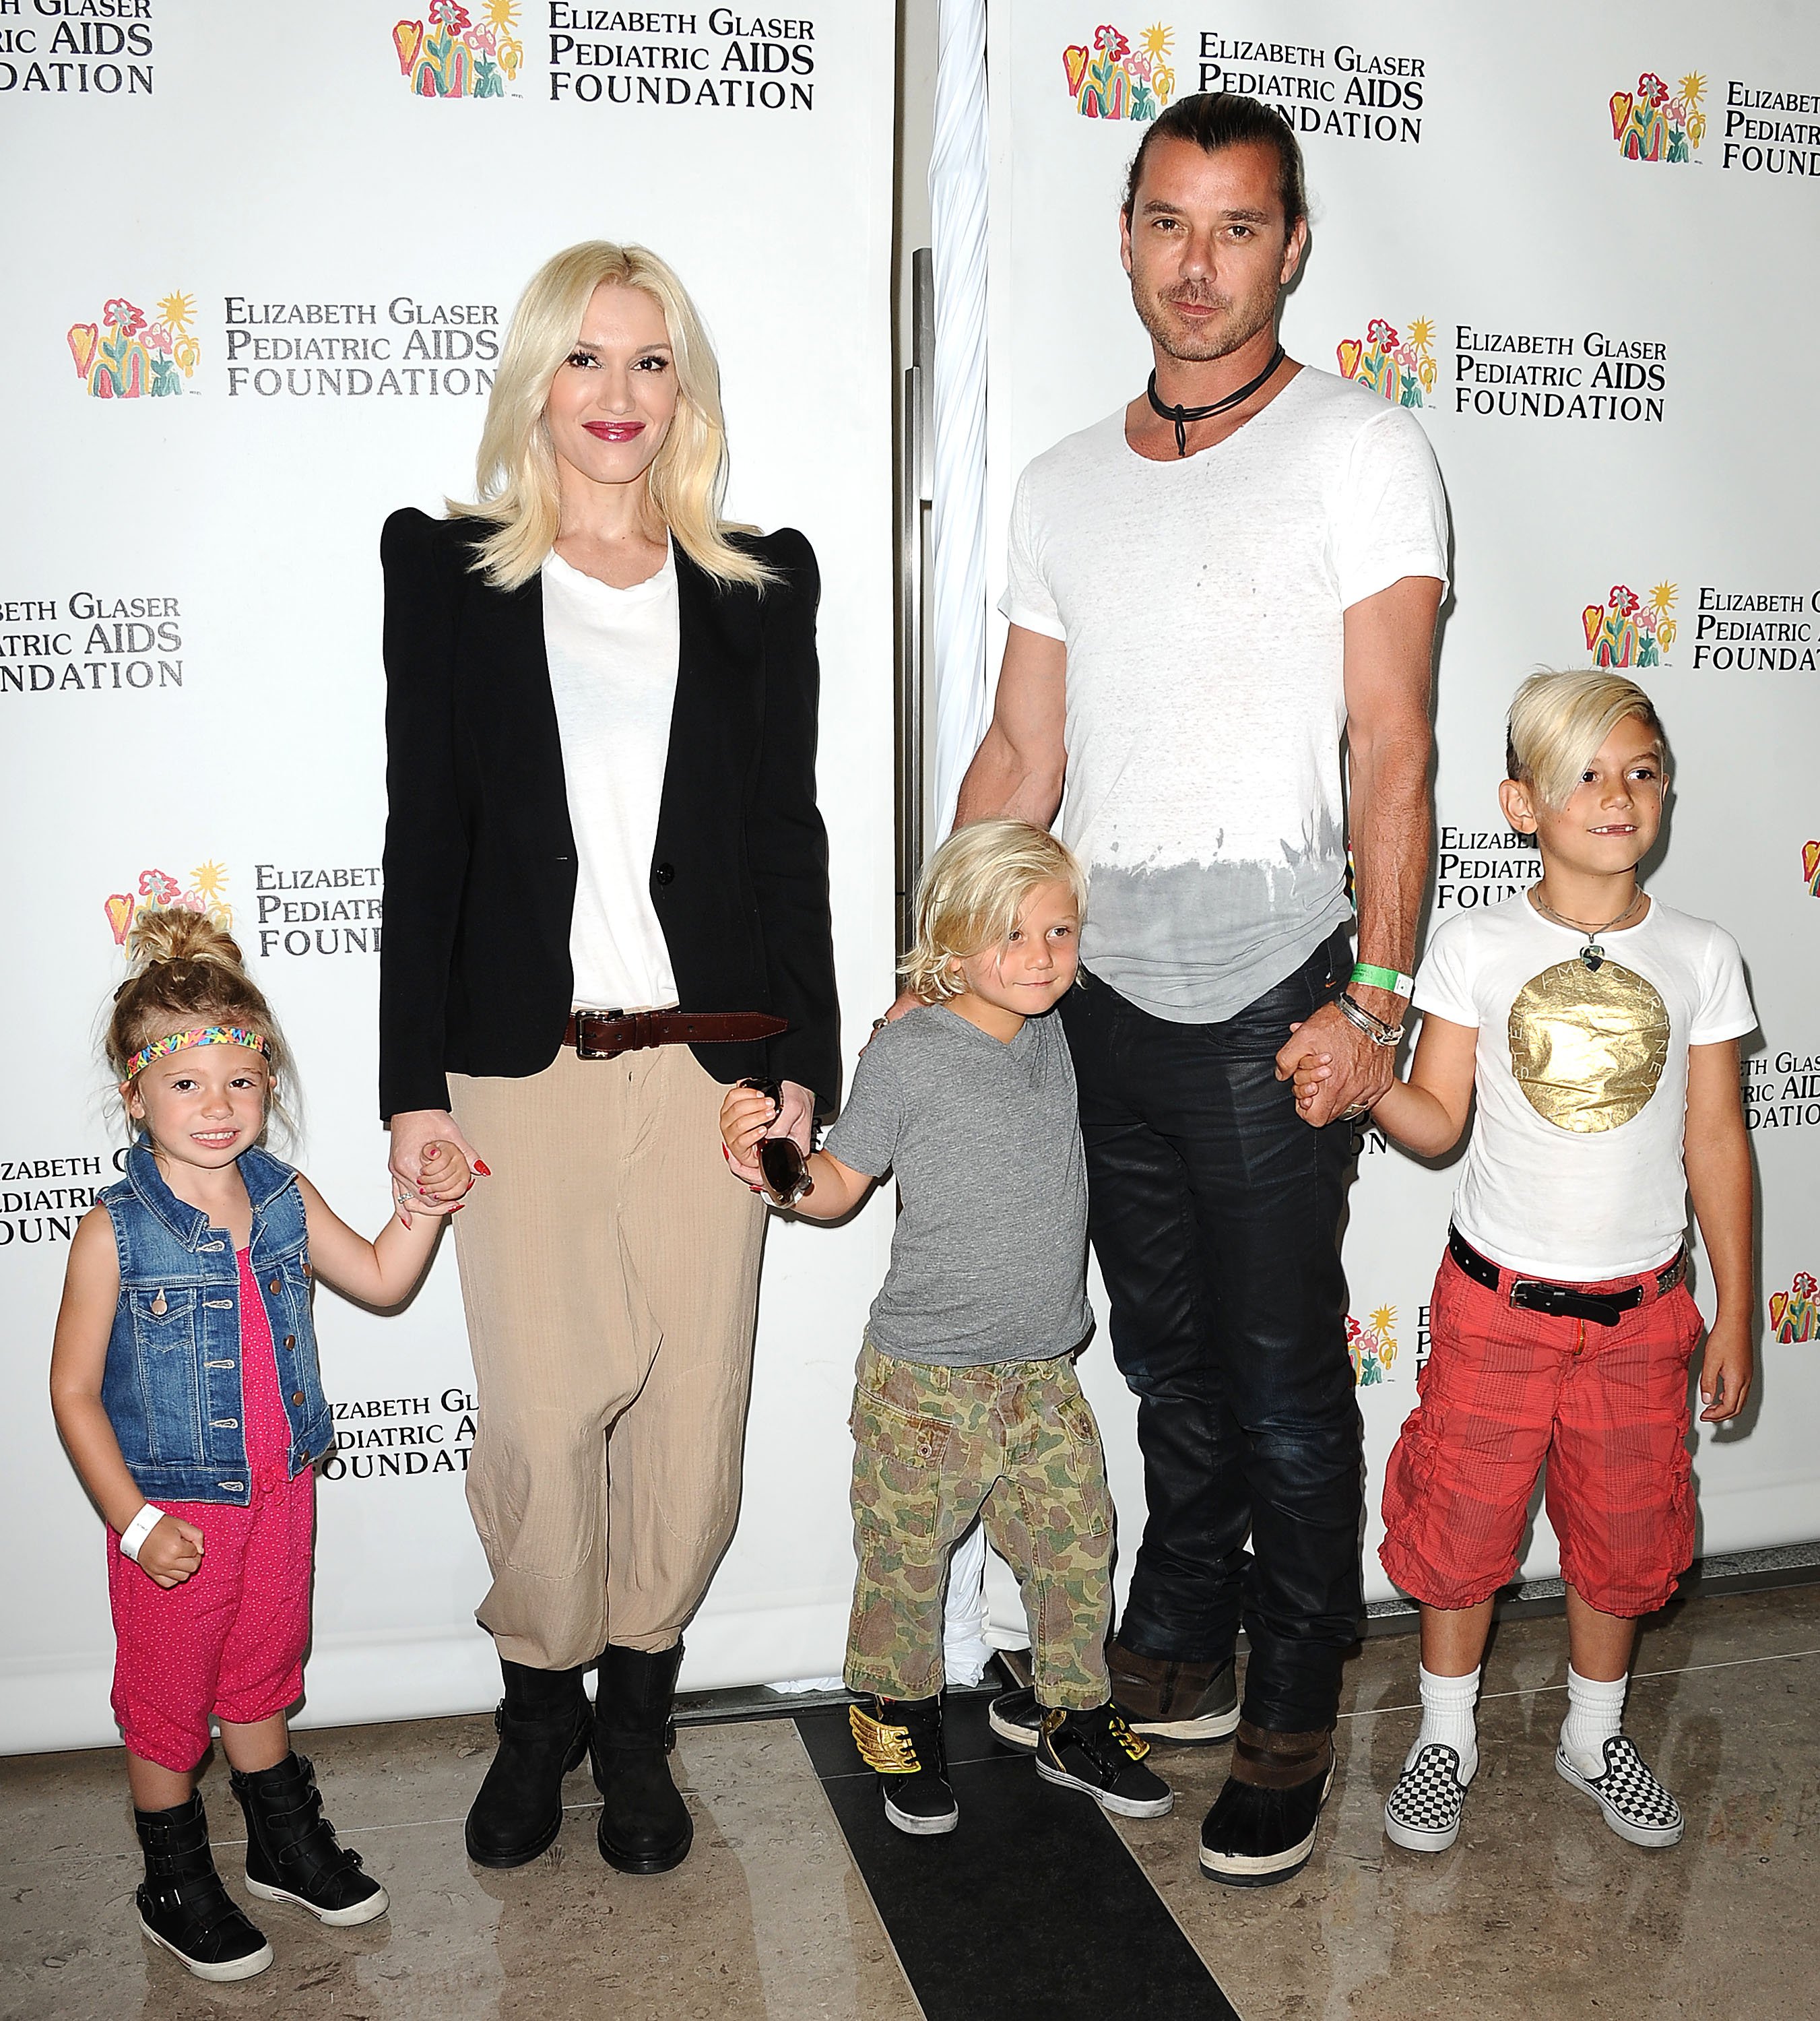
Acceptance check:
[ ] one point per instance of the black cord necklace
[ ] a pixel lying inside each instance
(1182, 416)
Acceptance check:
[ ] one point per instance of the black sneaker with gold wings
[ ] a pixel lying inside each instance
(1096, 1751)
(900, 1739)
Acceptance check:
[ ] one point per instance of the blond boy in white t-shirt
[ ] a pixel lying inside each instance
(1600, 1031)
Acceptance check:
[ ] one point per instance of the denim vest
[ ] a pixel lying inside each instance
(172, 1386)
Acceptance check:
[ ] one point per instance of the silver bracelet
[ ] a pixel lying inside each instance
(138, 1530)
(1374, 1029)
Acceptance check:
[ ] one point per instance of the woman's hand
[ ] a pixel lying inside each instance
(747, 1117)
(172, 1552)
(418, 1176)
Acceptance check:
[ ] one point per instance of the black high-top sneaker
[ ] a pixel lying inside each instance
(293, 1853)
(1194, 1704)
(900, 1740)
(543, 1725)
(1096, 1751)
(183, 1906)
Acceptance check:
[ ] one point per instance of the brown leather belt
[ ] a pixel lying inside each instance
(1536, 1294)
(603, 1034)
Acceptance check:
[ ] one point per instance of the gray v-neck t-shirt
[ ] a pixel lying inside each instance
(989, 1261)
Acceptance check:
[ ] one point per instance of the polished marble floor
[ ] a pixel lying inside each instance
(1539, 1912)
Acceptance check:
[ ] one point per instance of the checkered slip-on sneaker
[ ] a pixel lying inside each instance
(1423, 1814)
(1636, 1806)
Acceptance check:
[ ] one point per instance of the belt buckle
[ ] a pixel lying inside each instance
(1538, 1285)
(583, 1049)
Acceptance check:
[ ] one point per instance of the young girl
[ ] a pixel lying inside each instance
(1600, 1030)
(184, 1368)
(967, 1403)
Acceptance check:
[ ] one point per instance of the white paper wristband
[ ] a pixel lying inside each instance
(138, 1530)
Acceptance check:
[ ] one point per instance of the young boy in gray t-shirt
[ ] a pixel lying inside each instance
(967, 1403)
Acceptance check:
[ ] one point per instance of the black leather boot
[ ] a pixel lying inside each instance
(183, 1906)
(292, 1852)
(645, 1825)
(543, 1726)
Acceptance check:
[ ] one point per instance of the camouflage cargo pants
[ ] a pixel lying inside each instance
(1013, 1443)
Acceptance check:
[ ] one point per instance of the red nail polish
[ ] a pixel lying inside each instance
(481, 1170)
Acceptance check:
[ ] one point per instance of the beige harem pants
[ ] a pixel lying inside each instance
(609, 1271)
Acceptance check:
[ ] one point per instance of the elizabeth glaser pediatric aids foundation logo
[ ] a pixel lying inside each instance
(123, 357)
(1794, 1314)
(1112, 80)
(1372, 1346)
(1624, 631)
(1399, 364)
(206, 894)
(1652, 124)
(450, 54)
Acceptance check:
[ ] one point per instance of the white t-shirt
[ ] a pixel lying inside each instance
(612, 672)
(1201, 600)
(1574, 1172)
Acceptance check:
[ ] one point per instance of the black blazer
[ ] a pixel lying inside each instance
(474, 973)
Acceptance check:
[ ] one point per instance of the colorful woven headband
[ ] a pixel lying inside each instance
(203, 1035)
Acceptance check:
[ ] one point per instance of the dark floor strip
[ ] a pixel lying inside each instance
(1032, 1911)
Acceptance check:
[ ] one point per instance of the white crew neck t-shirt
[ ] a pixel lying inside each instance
(1201, 601)
(1575, 1169)
(612, 654)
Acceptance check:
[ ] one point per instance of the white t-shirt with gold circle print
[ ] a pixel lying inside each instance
(1576, 1171)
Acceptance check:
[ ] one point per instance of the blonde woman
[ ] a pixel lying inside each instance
(606, 888)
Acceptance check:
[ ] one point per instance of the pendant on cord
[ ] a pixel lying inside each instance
(1183, 416)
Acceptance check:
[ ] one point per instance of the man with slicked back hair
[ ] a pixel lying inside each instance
(1222, 601)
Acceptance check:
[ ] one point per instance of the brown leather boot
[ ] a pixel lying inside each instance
(1165, 1699)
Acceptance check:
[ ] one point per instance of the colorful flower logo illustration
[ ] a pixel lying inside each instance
(1372, 1346)
(1794, 1314)
(157, 889)
(453, 56)
(1624, 631)
(1811, 867)
(1650, 125)
(1401, 367)
(1113, 81)
(122, 357)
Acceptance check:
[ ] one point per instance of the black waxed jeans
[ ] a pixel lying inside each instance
(1214, 1212)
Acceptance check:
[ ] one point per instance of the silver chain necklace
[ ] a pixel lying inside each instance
(1592, 954)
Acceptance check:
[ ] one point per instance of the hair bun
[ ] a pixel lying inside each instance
(164, 936)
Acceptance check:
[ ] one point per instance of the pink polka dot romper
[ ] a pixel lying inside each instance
(229, 1642)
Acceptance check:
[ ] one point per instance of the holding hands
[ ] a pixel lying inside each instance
(433, 1165)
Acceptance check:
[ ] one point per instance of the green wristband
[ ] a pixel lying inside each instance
(1398, 983)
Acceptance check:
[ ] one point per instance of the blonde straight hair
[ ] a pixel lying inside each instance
(972, 892)
(1558, 721)
(516, 469)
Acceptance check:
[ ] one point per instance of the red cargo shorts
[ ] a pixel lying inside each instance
(1506, 1390)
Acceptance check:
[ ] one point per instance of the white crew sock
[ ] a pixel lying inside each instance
(1595, 1715)
(1447, 1720)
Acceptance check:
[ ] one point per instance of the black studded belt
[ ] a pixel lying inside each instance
(1534, 1295)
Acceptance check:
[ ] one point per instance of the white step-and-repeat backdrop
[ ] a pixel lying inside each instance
(1578, 244)
(260, 262)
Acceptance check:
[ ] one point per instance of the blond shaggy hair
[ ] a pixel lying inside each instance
(972, 892)
(515, 468)
(1558, 722)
